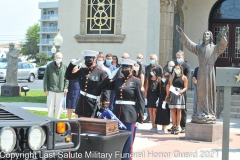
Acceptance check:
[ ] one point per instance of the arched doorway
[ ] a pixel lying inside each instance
(227, 12)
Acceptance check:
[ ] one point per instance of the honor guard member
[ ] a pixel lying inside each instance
(129, 100)
(89, 77)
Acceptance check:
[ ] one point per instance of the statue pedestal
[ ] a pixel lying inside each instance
(9, 90)
(204, 132)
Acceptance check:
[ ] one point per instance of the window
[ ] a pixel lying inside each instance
(228, 9)
(19, 66)
(101, 17)
(101, 22)
(30, 66)
(25, 66)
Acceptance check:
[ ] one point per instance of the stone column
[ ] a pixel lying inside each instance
(166, 30)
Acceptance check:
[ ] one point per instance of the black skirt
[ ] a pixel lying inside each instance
(163, 115)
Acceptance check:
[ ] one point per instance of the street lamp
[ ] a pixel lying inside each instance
(53, 50)
(58, 40)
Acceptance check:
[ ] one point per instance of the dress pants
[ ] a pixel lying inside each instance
(128, 147)
(54, 103)
(112, 98)
(184, 115)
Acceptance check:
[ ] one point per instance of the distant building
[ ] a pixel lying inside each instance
(48, 25)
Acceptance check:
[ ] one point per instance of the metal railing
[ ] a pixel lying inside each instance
(46, 41)
(50, 17)
(49, 29)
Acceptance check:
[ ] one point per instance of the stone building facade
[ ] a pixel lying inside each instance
(145, 26)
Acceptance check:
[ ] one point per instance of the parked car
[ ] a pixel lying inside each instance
(26, 71)
(5, 60)
(41, 71)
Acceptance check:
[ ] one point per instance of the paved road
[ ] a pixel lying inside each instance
(36, 85)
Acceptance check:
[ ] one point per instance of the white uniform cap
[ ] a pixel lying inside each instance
(128, 62)
(89, 53)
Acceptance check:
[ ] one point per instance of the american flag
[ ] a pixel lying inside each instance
(108, 114)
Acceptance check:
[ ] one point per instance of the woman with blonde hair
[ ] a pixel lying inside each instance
(178, 86)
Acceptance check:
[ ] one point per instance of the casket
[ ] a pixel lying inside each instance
(97, 126)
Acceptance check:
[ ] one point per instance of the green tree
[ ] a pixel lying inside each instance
(30, 46)
(42, 58)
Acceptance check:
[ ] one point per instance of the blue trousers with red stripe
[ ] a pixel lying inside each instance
(127, 149)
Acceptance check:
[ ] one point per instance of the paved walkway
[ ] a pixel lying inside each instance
(152, 146)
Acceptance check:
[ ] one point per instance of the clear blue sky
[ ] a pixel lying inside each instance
(16, 16)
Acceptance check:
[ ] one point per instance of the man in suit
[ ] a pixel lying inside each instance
(187, 72)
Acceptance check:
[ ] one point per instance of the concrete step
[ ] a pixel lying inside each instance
(232, 115)
(235, 97)
(235, 109)
(235, 103)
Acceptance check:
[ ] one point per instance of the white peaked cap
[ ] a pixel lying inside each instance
(127, 62)
(89, 53)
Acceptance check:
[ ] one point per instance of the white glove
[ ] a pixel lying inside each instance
(164, 105)
(77, 62)
(113, 74)
(157, 102)
(145, 101)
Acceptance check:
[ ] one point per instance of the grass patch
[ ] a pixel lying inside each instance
(45, 113)
(33, 96)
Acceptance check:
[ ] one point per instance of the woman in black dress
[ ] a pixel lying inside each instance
(152, 93)
(163, 111)
(179, 83)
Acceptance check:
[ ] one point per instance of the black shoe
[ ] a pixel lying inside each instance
(170, 130)
(183, 130)
(147, 120)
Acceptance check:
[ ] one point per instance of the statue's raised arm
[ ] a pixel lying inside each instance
(222, 40)
(225, 30)
(179, 29)
(191, 46)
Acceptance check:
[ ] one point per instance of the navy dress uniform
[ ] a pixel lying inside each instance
(89, 77)
(129, 101)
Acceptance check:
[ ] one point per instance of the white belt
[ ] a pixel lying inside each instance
(89, 95)
(125, 102)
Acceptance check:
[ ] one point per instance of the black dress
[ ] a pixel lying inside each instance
(163, 115)
(152, 94)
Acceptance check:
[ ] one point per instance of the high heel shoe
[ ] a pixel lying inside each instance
(176, 130)
(173, 129)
